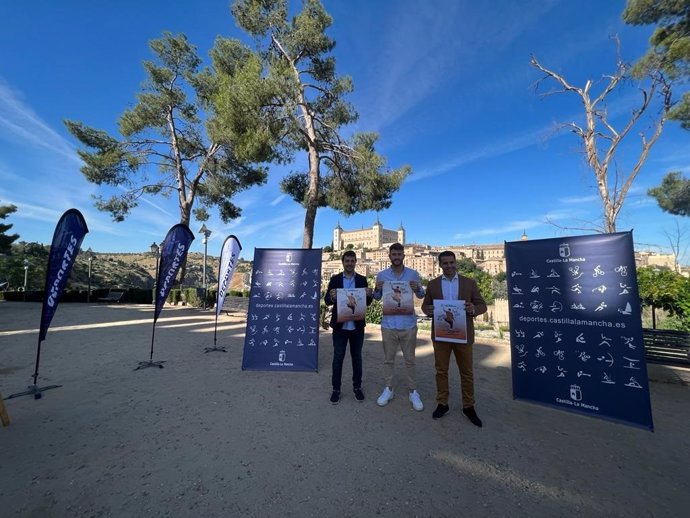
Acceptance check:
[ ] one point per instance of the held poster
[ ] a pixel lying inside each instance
(575, 326)
(352, 304)
(283, 321)
(397, 298)
(450, 321)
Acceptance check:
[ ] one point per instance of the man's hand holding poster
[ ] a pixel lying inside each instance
(397, 298)
(352, 304)
(450, 321)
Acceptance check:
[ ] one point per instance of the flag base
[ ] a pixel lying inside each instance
(144, 365)
(34, 390)
(214, 348)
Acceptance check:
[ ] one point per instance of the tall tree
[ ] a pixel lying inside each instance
(6, 240)
(669, 45)
(308, 111)
(601, 138)
(669, 50)
(174, 141)
(673, 195)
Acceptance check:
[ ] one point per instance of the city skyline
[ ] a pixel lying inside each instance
(449, 89)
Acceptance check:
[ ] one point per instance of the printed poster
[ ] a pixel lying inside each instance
(397, 298)
(450, 321)
(575, 326)
(352, 304)
(283, 320)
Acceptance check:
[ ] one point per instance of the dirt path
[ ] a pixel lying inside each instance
(203, 438)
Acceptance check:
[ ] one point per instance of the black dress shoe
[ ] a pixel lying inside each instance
(440, 411)
(335, 397)
(359, 395)
(472, 416)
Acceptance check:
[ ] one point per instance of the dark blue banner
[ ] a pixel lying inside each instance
(575, 326)
(283, 321)
(69, 233)
(173, 253)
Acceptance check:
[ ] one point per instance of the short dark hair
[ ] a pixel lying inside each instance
(396, 246)
(445, 253)
(348, 253)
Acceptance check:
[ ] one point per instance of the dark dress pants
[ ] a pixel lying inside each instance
(341, 337)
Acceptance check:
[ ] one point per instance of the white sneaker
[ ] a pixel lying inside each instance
(416, 401)
(385, 397)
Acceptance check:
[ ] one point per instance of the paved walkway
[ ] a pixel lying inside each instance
(201, 437)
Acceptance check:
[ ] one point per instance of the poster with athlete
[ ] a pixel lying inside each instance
(351, 303)
(450, 321)
(397, 298)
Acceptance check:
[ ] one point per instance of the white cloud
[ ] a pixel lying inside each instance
(573, 200)
(19, 123)
(277, 200)
(508, 145)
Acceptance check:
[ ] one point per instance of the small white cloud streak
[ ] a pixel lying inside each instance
(518, 225)
(438, 41)
(574, 200)
(512, 144)
(21, 123)
(277, 200)
(286, 227)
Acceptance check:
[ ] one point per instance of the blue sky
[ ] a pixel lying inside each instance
(447, 84)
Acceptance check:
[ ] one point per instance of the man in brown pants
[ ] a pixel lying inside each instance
(451, 286)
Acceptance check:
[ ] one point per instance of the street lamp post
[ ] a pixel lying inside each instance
(206, 232)
(88, 293)
(26, 276)
(155, 249)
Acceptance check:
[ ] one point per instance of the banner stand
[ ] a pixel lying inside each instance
(34, 389)
(222, 348)
(150, 362)
(143, 365)
(67, 238)
(173, 250)
(229, 253)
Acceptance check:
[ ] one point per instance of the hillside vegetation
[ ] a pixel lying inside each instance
(108, 270)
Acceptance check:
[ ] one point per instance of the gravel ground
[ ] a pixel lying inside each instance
(203, 438)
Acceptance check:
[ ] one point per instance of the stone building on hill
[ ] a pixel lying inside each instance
(371, 246)
(372, 238)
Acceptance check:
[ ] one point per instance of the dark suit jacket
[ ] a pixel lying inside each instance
(337, 282)
(469, 292)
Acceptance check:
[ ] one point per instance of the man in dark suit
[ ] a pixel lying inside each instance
(350, 331)
(451, 286)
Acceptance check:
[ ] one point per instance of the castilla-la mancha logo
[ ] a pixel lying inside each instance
(564, 250)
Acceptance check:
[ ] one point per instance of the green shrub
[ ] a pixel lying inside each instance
(481, 326)
(325, 313)
(174, 297)
(374, 312)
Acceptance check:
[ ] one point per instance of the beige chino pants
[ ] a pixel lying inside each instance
(406, 341)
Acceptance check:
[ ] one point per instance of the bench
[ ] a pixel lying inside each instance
(114, 295)
(233, 304)
(666, 346)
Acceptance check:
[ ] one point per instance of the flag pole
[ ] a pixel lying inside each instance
(151, 363)
(34, 390)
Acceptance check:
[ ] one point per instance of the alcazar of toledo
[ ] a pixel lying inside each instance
(371, 246)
